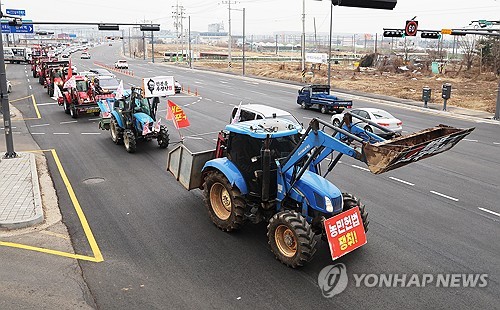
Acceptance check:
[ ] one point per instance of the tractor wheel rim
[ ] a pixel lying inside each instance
(220, 201)
(286, 241)
(113, 131)
(126, 141)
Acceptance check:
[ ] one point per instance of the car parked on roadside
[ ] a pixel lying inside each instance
(379, 116)
(121, 64)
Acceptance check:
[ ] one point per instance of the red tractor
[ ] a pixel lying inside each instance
(80, 99)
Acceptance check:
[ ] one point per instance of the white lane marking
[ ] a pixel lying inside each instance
(496, 143)
(40, 125)
(254, 83)
(223, 92)
(131, 84)
(68, 122)
(195, 138)
(218, 101)
(212, 100)
(47, 103)
(469, 140)
(38, 133)
(404, 131)
(402, 181)
(258, 92)
(489, 211)
(94, 119)
(360, 168)
(90, 133)
(28, 80)
(305, 117)
(203, 134)
(445, 196)
(30, 86)
(214, 139)
(61, 133)
(198, 82)
(25, 71)
(223, 82)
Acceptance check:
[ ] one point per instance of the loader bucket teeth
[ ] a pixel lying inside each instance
(401, 151)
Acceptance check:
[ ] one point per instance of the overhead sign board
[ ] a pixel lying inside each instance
(15, 12)
(158, 86)
(27, 27)
(317, 58)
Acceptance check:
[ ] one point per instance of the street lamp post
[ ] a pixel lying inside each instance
(303, 39)
(330, 45)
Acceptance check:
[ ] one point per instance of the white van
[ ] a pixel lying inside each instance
(17, 54)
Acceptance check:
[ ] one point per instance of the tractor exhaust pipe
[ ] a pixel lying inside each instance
(266, 169)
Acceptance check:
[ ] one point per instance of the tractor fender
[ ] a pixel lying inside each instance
(226, 167)
(118, 119)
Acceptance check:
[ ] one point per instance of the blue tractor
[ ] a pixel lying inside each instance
(133, 118)
(267, 170)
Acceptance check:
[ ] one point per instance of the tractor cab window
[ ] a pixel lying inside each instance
(119, 104)
(81, 86)
(141, 105)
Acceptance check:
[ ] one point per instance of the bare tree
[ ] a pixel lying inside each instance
(468, 46)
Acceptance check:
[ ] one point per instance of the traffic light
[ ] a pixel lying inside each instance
(411, 28)
(393, 33)
(112, 27)
(150, 27)
(431, 35)
(369, 4)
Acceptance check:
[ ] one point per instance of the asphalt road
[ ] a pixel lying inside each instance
(161, 250)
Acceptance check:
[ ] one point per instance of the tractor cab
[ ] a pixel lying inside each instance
(254, 147)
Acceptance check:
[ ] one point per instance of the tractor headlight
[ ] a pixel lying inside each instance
(328, 204)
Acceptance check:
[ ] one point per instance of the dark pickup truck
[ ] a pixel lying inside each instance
(318, 97)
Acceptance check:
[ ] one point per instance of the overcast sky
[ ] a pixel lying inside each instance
(263, 16)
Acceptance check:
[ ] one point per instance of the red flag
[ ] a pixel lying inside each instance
(175, 113)
(70, 71)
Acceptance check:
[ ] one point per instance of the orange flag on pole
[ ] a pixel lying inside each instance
(177, 115)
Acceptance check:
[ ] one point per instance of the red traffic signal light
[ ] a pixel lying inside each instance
(411, 28)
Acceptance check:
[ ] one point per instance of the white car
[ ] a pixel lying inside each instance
(253, 111)
(121, 64)
(85, 55)
(381, 117)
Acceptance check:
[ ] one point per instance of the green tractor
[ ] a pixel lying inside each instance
(133, 118)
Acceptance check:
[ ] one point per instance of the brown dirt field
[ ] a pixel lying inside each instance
(469, 89)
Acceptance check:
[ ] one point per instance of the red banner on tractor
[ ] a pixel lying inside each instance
(345, 232)
(177, 115)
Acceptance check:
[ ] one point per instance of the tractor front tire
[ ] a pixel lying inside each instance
(116, 131)
(163, 137)
(350, 202)
(224, 203)
(291, 238)
(129, 141)
(73, 111)
(65, 106)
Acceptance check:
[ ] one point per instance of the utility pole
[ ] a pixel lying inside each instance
(243, 41)
(229, 43)
(329, 59)
(4, 97)
(303, 39)
(178, 15)
(152, 48)
(189, 43)
(129, 45)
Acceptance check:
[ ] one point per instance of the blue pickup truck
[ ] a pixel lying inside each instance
(318, 97)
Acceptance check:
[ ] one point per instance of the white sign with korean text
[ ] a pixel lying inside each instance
(158, 86)
(317, 58)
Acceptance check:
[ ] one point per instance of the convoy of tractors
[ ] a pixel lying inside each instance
(261, 170)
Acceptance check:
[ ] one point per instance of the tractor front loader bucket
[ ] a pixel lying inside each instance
(186, 166)
(398, 152)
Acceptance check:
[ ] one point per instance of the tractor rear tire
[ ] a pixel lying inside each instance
(129, 141)
(163, 137)
(350, 202)
(291, 238)
(224, 203)
(116, 131)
